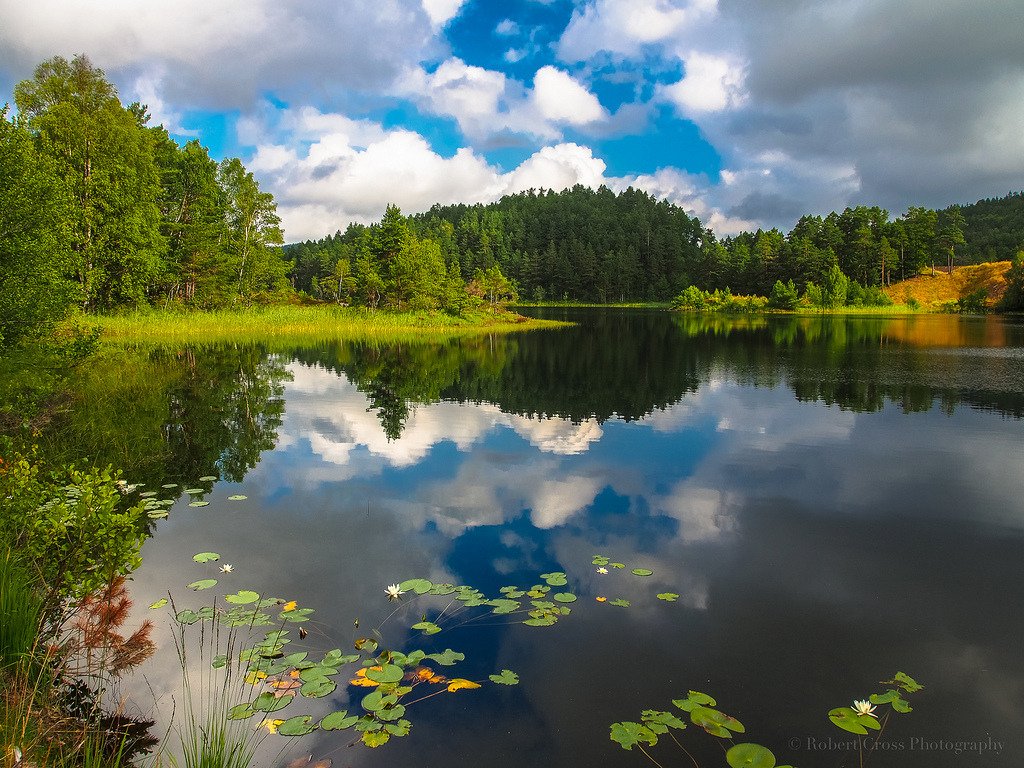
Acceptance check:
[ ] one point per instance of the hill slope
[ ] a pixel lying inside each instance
(932, 290)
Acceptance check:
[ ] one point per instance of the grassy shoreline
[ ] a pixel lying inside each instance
(307, 323)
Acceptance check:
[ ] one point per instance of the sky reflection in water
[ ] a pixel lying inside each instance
(816, 548)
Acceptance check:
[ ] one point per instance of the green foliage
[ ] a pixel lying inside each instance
(1013, 299)
(74, 526)
(21, 610)
(695, 300)
(783, 296)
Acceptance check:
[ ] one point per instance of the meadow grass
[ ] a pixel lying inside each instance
(304, 324)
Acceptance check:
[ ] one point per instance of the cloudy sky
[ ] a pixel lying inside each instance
(746, 112)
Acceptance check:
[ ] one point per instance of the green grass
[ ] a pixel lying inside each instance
(21, 610)
(304, 324)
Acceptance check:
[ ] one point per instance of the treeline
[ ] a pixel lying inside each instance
(597, 246)
(580, 244)
(100, 210)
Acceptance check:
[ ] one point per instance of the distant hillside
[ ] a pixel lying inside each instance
(993, 229)
(933, 290)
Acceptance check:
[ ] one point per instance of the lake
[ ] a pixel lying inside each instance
(829, 500)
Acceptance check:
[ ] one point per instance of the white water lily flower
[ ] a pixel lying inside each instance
(394, 592)
(227, 568)
(864, 708)
(602, 569)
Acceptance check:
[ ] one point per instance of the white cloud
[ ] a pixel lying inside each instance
(485, 103)
(441, 12)
(507, 27)
(562, 99)
(558, 167)
(710, 84)
(624, 27)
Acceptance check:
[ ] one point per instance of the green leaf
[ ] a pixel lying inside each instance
(207, 478)
(318, 688)
(619, 602)
(377, 700)
(376, 738)
(694, 699)
(750, 756)
(641, 572)
(299, 725)
(849, 720)
(389, 673)
(241, 712)
(442, 589)
(389, 714)
(428, 627)
(419, 586)
(159, 603)
(660, 722)
(906, 682)
(366, 644)
(187, 616)
(545, 621)
(169, 485)
(716, 723)
(238, 497)
(194, 491)
(599, 560)
(219, 661)
(507, 677)
(617, 565)
(629, 734)
(338, 721)
(447, 658)
(242, 597)
(564, 597)
(202, 584)
(554, 579)
(157, 514)
(504, 605)
(401, 728)
(267, 702)
(199, 504)
(902, 706)
(206, 557)
(668, 597)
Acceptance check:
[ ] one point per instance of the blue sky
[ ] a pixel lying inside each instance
(747, 113)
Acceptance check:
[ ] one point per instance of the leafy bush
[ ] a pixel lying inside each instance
(783, 296)
(73, 528)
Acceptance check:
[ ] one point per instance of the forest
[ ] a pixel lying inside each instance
(101, 211)
(589, 245)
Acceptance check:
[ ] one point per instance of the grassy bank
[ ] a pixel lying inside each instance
(286, 323)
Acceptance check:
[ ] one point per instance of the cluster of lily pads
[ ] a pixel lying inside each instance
(157, 508)
(700, 709)
(275, 677)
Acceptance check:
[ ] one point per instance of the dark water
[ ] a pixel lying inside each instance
(833, 500)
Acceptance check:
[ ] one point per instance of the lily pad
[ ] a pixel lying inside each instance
(268, 702)
(642, 572)
(668, 597)
(750, 756)
(194, 491)
(376, 700)
(207, 478)
(318, 688)
(299, 725)
(419, 586)
(366, 644)
(849, 720)
(169, 485)
(159, 603)
(619, 603)
(428, 627)
(241, 712)
(564, 597)
(338, 721)
(554, 579)
(157, 514)
(376, 738)
(389, 673)
(600, 560)
(716, 723)
(448, 658)
(629, 734)
(242, 597)
(202, 584)
(507, 677)
(237, 497)
(693, 700)
(199, 504)
(206, 557)
(147, 494)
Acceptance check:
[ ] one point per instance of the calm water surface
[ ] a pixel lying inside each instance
(832, 499)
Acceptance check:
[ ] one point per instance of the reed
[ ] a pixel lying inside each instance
(306, 324)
